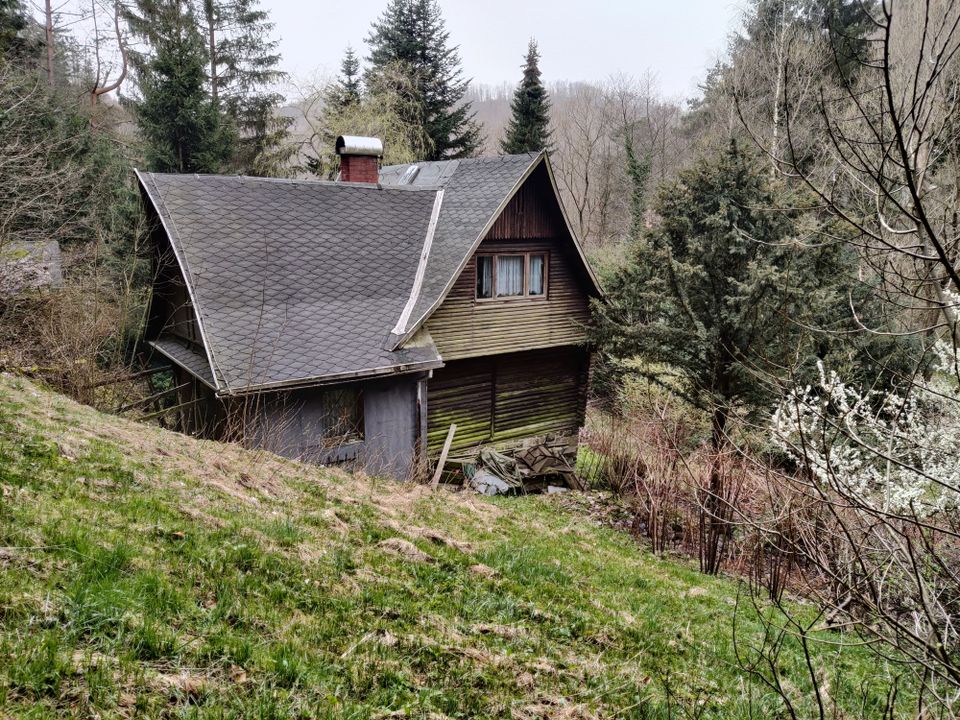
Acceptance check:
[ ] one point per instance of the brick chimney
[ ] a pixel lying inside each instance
(359, 158)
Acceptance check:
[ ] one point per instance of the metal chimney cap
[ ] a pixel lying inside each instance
(356, 145)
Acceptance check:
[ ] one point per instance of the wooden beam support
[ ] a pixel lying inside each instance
(443, 456)
(148, 400)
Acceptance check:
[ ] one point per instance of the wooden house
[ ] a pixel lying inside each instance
(357, 320)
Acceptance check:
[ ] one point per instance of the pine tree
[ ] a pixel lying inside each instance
(528, 129)
(412, 34)
(346, 89)
(243, 65)
(181, 125)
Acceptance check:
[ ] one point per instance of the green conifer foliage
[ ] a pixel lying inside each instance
(243, 70)
(181, 125)
(412, 34)
(727, 291)
(15, 43)
(638, 172)
(349, 81)
(346, 89)
(528, 129)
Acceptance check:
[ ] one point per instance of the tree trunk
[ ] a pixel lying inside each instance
(212, 48)
(713, 505)
(48, 11)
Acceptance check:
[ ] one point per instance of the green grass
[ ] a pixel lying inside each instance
(147, 574)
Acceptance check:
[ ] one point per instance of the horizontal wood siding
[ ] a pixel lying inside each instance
(539, 393)
(465, 327)
(505, 398)
(461, 393)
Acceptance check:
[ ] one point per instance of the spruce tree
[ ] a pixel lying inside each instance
(181, 125)
(243, 65)
(413, 35)
(345, 90)
(528, 129)
(350, 78)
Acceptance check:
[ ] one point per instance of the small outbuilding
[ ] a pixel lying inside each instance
(357, 320)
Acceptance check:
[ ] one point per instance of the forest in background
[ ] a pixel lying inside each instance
(778, 393)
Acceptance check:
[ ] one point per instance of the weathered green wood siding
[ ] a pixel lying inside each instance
(505, 398)
(465, 327)
(532, 221)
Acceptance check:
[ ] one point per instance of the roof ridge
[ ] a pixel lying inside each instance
(293, 181)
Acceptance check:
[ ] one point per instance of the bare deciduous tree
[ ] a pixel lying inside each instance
(879, 540)
(102, 70)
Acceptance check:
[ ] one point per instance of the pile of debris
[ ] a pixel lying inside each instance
(534, 469)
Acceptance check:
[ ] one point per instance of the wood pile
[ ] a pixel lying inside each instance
(548, 466)
(544, 466)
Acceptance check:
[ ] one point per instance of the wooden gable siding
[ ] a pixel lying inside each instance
(464, 327)
(531, 213)
(171, 310)
(507, 398)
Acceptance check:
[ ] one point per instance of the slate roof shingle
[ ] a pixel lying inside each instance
(187, 358)
(296, 282)
(474, 190)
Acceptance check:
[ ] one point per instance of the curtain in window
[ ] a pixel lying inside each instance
(535, 286)
(509, 275)
(484, 277)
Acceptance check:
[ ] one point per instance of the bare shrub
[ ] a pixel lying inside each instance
(71, 338)
(649, 452)
(655, 452)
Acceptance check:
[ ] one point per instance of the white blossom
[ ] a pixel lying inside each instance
(897, 452)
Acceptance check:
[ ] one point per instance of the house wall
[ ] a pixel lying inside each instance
(291, 424)
(391, 426)
(504, 399)
(515, 368)
(464, 326)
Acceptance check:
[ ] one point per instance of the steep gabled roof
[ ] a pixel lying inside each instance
(301, 282)
(475, 193)
(294, 282)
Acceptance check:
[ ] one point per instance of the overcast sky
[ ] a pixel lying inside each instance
(582, 40)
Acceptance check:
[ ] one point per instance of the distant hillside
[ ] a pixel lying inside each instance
(143, 573)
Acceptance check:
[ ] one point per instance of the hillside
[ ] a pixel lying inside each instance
(143, 573)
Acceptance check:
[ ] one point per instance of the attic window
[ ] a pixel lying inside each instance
(511, 276)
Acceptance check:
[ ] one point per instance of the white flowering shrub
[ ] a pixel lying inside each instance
(895, 452)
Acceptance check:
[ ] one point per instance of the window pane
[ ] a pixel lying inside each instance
(484, 277)
(535, 283)
(509, 275)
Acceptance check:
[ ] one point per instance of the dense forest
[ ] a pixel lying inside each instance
(777, 392)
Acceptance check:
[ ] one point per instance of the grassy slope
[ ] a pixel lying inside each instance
(144, 573)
